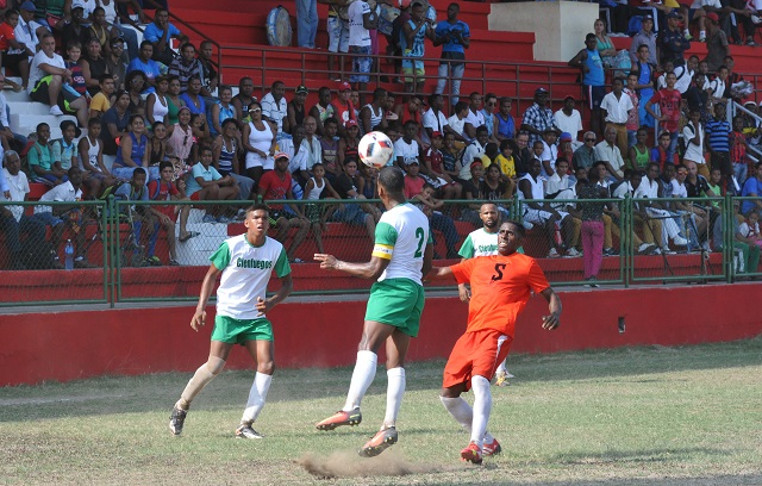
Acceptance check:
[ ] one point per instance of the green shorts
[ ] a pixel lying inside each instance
(238, 331)
(397, 302)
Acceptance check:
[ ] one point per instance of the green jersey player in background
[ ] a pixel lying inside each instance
(401, 255)
(246, 261)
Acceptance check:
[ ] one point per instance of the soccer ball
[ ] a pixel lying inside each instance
(375, 149)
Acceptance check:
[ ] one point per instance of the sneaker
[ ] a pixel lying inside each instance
(154, 261)
(657, 251)
(573, 252)
(501, 379)
(646, 248)
(688, 37)
(340, 418)
(608, 252)
(472, 453)
(176, 420)
(491, 448)
(377, 444)
(246, 432)
(702, 39)
(679, 241)
(553, 253)
(208, 218)
(55, 111)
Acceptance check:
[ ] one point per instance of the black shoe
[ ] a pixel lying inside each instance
(177, 420)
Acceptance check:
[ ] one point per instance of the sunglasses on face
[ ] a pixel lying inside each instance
(255, 110)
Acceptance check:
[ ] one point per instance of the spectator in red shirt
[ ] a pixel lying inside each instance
(14, 53)
(669, 100)
(275, 185)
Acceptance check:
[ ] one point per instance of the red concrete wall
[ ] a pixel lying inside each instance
(71, 345)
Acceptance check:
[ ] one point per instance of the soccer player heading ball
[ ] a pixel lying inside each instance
(500, 289)
(401, 256)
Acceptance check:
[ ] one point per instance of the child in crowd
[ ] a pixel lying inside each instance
(433, 169)
(318, 213)
(101, 101)
(738, 146)
(91, 156)
(749, 229)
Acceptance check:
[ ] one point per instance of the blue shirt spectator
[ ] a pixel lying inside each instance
(207, 174)
(752, 188)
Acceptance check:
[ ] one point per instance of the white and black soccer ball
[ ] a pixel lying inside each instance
(375, 149)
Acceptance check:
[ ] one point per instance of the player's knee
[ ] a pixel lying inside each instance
(215, 365)
(266, 367)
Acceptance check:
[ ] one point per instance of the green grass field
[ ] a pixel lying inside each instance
(634, 416)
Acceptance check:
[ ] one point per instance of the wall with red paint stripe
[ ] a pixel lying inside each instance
(70, 345)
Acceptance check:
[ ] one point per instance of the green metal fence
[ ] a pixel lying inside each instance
(132, 253)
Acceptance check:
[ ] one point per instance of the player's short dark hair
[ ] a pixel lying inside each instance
(258, 207)
(164, 164)
(393, 180)
(138, 171)
(519, 227)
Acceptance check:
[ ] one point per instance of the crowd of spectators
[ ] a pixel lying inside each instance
(169, 113)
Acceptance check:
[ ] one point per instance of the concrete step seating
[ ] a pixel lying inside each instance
(26, 114)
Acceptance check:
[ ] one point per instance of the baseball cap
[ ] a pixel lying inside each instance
(436, 135)
(540, 91)
(647, 17)
(566, 137)
(28, 6)
(713, 17)
(411, 161)
(674, 15)
(302, 89)
(281, 155)
(350, 123)
(77, 4)
(343, 86)
(552, 129)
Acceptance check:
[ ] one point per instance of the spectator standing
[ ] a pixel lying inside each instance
(454, 36)
(644, 84)
(306, 23)
(718, 142)
(361, 20)
(159, 33)
(412, 40)
(671, 42)
(538, 117)
(616, 107)
(646, 36)
(592, 227)
(669, 101)
(693, 136)
(338, 36)
(589, 62)
(717, 46)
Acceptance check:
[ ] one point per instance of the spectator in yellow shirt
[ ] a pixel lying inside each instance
(101, 101)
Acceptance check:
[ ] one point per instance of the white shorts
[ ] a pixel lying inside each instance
(256, 160)
(338, 34)
(539, 216)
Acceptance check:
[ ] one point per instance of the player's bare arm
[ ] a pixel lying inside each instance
(286, 286)
(207, 286)
(553, 320)
(438, 273)
(370, 270)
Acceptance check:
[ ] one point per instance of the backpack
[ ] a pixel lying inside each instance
(635, 25)
(278, 26)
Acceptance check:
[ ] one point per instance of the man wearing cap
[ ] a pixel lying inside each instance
(538, 117)
(296, 109)
(589, 62)
(343, 107)
(76, 30)
(671, 41)
(276, 185)
(646, 36)
(27, 30)
(716, 43)
(568, 119)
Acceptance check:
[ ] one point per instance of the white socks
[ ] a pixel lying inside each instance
(203, 375)
(257, 397)
(394, 391)
(463, 414)
(362, 377)
(482, 408)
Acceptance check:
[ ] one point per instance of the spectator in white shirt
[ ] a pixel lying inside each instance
(607, 151)
(434, 119)
(406, 148)
(474, 118)
(27, 30)
(568, 119)
(457, 121)
(616, 107)
(275, 108)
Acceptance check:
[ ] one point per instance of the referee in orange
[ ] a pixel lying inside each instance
(500, 289)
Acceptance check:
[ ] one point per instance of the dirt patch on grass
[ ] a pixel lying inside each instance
(346, 464)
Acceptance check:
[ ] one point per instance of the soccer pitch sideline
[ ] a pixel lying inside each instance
(629, 416)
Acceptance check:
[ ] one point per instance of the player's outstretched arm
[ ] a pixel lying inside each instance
(207, 286)
(439, 273)
(553, 320)
(370, 270)
(286, 286)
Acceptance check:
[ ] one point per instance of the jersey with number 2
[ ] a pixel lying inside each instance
(401, 237)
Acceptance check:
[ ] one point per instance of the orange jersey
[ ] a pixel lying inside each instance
(500, 287)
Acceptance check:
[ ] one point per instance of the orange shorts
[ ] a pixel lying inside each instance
(475, 353)
(196, 196)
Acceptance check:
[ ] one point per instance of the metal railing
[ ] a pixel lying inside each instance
(119, 264)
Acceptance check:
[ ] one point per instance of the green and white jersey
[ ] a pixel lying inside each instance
(246, 271)
(401, 237)
(479, 243)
